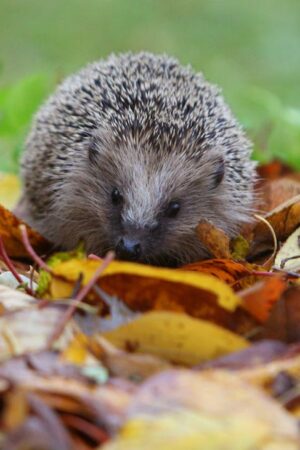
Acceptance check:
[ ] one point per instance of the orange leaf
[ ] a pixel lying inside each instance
(259, 298)
(145, 288)
(11, 235)
(273, 170)
(226, 270)
(284, 321)
(214, 239)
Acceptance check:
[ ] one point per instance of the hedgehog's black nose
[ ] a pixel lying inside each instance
(129, 249)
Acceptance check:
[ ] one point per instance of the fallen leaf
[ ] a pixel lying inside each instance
(239, 248)
(214, 239)
(12, 300)
(11, 235)
(164, 414)
(288, 257)
(276, 192)
(258, 354)
(29, 329)
(132, 366)
(284, 220)
(259, 299)
(284, 321)
(7, 279)
(175, 337)
(261, 363)
(273, 170)
(66, 390)
(226, 270)
(145, 288)
(40, 427)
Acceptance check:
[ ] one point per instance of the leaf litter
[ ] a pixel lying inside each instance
(115, 355)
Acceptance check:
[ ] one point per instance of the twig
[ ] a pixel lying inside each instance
(31, 251)
(258, 273)
(262, 219)
(86, 289)
(288, 273)
(79, 297)
(12, 268)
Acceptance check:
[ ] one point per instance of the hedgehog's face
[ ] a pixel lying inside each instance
(148, 203)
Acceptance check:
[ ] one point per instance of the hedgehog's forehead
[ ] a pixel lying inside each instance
(149, 175)
(150, 181)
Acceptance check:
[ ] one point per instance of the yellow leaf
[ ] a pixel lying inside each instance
(70, 271)
(186, 410)
(186, 430)
(10, 188)
(176, 337)
(76, 352)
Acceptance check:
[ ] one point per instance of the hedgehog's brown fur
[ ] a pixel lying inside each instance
(156, 131)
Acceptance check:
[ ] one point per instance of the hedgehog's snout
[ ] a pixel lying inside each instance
(136, 240)
(129, 249)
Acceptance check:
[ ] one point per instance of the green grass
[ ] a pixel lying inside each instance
(251, 49)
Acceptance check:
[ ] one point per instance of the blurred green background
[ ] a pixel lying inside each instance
(251, 49)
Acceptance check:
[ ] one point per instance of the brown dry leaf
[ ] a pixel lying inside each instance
(64, 390)
(145, 288)
(214, 239)
(264, 372)
(255, 355)
(276, 192)
(136, 367)
(271, 365)
(273, 170)
(164, 414)
(284, 321)
(16, 409)
(175, 337)
(11, 235)
(259, 299)
(261, 362)
(226, 270)
(284, 220)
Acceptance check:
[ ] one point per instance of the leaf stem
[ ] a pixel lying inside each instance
(79, 297)
(31, 251)
(12, 268)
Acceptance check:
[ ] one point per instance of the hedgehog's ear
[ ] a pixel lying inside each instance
(219, 171)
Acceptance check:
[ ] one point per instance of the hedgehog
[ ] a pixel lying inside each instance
(130, 154)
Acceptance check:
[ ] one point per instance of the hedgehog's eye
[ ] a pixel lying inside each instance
(116, 196)
(173, 209)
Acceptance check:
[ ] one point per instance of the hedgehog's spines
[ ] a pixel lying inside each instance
(137, 115)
